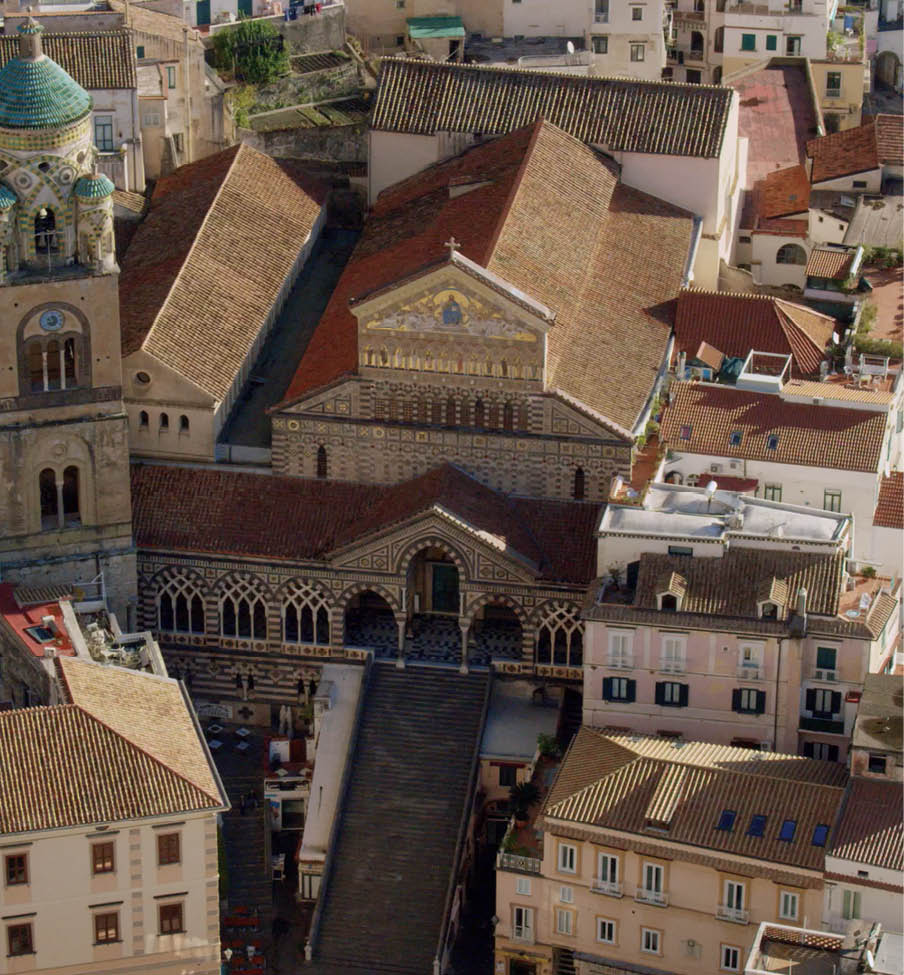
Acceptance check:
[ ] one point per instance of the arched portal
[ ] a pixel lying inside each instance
(433, 583)
(370, 623)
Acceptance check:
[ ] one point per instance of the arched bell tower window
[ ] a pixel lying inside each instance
(322, 463)
(71, 509)
(50, 512)
(579, 484)
(45, 232)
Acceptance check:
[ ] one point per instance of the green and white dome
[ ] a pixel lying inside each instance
(7, 198)
(94, 187)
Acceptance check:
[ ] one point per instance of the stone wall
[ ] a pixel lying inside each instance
(338, 143)
(313, 86)
(319, 32)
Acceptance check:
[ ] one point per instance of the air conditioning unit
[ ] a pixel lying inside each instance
(715, 468)
(765, 746)
(734, 465)
(827, 675)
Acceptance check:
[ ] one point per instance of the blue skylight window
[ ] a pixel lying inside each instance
(820, 835)
(772, 442)
(726, 820)
(736, 437)
(757, 825)
(789, 826)
(685, 432)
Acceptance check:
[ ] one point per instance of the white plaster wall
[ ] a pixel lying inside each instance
(765, 268)
(872, 178)
(884, 906)
(617, 61)
(540, 18)
(826, 229)
(122, 104)
(394, 156)
(619, 550)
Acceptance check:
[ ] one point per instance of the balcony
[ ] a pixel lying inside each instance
(685, 55)
(621, 663)
(518, 863)
(606, 887)
(655, 897)
(734, 914)
(828, 726)
(671, 666)
(749, 672)
(524, 936)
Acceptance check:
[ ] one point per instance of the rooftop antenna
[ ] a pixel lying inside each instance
(710, 491)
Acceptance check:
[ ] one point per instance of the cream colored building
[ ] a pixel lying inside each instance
(627, 38)
(109, 812)
(664, 854)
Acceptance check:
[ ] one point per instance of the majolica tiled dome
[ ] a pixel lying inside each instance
(35, 92)
(94, 187)
(7, 198)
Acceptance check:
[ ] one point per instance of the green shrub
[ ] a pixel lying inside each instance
(884, 347)
(252, 51)
(548, 745)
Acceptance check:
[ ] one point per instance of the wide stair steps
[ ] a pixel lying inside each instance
(563, 961)
(408, 792)
(250, 884)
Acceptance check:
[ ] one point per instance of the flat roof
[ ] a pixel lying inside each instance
(879, 724)
(514, 721)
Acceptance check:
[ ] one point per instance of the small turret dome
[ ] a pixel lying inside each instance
(7, 198)
(35, 92)
(94, 187)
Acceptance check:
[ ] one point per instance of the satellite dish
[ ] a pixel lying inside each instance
(711, 489)
(569, 47)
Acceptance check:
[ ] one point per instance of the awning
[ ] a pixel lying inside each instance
(420, 28)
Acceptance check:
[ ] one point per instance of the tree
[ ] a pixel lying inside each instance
(253, 51)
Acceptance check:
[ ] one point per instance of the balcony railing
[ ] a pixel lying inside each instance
(833, 93)
(734, 914)
(656, 897)
(621, 663)
(601, 17)
(523, 935)
(672, 666)
(517, 863)
(606, 887)
(828, 726)
(748, 672)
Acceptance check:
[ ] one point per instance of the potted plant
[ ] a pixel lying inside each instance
(522, 796)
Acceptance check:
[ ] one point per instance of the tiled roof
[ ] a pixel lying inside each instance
(735, 324)
(827, 262)
(890, 139)
(95, 60)
(74, 764)
(889, 511)
(653, 787)
(870, 829)
(424, 97)
(178, 509)
(209, 260)
(609, 276)
(809, 389)
(732, 585)
(155, 23)
(844, 153)
(809, 435)
(94, 187)
(784, 192)
(21, 615)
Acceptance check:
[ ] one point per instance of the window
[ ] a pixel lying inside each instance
(744, 700)
(564, 921)
(71, 515)
(637, 52)
(568, 858)
(480, 414)
(601, 44)
(164, 422)
(772, 442)
(791, 254)
(637, 13)
(618, 689)
(566, 894)
(46, 241)
(19, 939)
(877, 764)
(170, 76)
(734, 895)
(103, 133)
(771, 42)
(787, 905)
(168, 849)
(601, 11)
(792, 46)
(786, 833)
(735, 438)
(322, 467)
(650, 941)
(833, 84)
(508, 415)
(748, 42)
(102, 858)
(50, 512)
(820, 835)
(757, 825)
(858, 184)
(139, 51)
(579, 485)
(523, 923)
(685, 432)
(106, 928)
(652, 878)
(183, 424)
(621, 648)
(522, 886)
(605, 931)
(507, 775)
(143, 420)
(821, 751)
(726, 820)
(607, 868)
(731, 958)
(772, 492)
(171, 921)
(668, 602)
(671, 694)
(680, 550)
(822, 702)
(851, 905)
(672, 649)
(826, 658)
(831, 500)
(16, 869)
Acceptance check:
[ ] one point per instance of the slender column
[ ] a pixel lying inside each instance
(59, 488)
(401, 623)
(464, 626)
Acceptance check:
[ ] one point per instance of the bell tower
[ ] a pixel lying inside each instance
(65, 510)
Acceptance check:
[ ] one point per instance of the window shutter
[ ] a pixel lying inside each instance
(632, 685)
(607, 688)
(846, 910)
(760, 702)
(836, 702)
(683, 696)
(736, 700)
(660, 692)
(811, 699)
(808, 749)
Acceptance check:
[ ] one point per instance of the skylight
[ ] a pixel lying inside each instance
(735, 438)
(685, 432)
(789, 826)
(757, 825)
(772, 442)
(40, 634)
(820, 835)
(726, 820)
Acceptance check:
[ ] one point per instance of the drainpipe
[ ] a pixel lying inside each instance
(778, 672)
(186, 87)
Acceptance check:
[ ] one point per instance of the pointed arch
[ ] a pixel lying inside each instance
(560, 634)
(179, 595)
(305, 612)
(243, 599)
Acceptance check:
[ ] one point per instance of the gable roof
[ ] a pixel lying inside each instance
(844, 153)
(889, 511)
(830, 262)
(808, 434)
(95, 59)
(870, 829)
(209, 260)
(425, 97)
(784, 192)
(679, 790)
(735, 324)
(890, 139)
(608, 277)
(100, 758)
(243, 514)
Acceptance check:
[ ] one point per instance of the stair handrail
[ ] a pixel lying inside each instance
(462, 827)
(344, 783)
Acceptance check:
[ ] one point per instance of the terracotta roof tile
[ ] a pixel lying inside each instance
(633, 784)
(835, 392)
(208, 262)
(890, 139)
(736, 324)
(808, 434)
(870, 829)
(425, 97)
(95, 59)
(844, 153)
(608, 278)
(889, 511)
(784, 192)
(830, 263)
(226, 512)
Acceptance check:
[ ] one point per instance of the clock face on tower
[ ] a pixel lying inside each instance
(51, 320)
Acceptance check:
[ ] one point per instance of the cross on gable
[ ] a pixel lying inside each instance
(453, 246)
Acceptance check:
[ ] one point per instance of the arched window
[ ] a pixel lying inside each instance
(791, 254)
(180, 606)
(696, 43)
(488, 368)
(668, 602)
(183, 424)
(54, 364)
(480, 414)
(242, 612)
(384, 357)
(522, 417)
(50, 511)
(464, 417)
(50, 364)
(450, 411)
(164, 421)
(436, 412)
(143, 420)
(579, 484)
(503, 367)
(321, 462)
(493, 415)
(508, 415)
(560, 636)
(71, 512)
(306, 617)
(45, 232)
(69, 364)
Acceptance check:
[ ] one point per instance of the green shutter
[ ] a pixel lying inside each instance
(771, 42)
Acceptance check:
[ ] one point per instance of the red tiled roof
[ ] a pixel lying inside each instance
(735, 324)
(19, 619)
(785, 192)
(808, 435)
(889, 511)
(607, 276)
(844, 153)
(228, 512)
(870, 829)
(827, 262)
(890, 139)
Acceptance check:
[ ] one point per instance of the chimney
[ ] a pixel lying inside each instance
(30, 40)
(682, 359)
(799, 620)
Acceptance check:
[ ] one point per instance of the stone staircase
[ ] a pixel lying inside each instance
(384, 903)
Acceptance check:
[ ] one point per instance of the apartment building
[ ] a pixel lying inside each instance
(627, 38)
(109, 806)
(666, 855)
